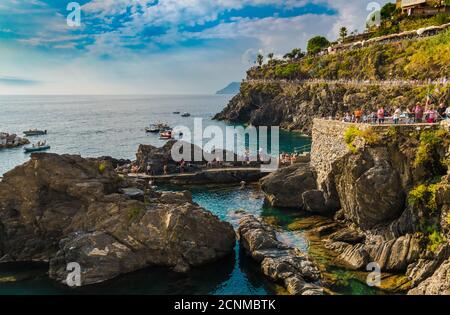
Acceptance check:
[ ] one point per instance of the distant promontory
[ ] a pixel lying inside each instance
(232, 88)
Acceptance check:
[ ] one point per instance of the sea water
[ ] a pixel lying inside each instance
(95, 126)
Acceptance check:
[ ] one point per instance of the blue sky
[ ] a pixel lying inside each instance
(155, 46)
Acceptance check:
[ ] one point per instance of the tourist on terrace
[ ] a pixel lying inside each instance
(447, 113)
(397, 114)
(358, 115)
(418, 112)
(347, 118)
(380, 115)
(410, 114)
(431, 115)
(373, 117)
(441, 111)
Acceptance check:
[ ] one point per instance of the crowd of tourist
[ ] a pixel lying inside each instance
(419, 113)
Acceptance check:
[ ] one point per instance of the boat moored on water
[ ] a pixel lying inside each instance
(155, 128)
(36, 148)
(176, 113)
(152, 129)
(186, 115)
(166, 135)
(35, 132)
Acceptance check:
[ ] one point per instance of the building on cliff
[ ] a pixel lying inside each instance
(423, 7)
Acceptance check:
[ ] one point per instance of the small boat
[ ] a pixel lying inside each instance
(35, 132)
(186, 115)
(155, 128)
(165, 135)
(176, 113)
(36, 149)
(152, 129)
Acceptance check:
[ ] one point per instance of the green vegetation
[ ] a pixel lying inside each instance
(135, 213)
(388, 11)
(316, 44)
(294, 55)
(259, 59)
(435, 239)
(427, 154)
(422, 60)
(424, 196)
(102, 167)
(264, 89)
(343, 32)
(369, 135)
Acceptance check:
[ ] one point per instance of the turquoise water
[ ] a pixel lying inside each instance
(101, 125)
(236, 274)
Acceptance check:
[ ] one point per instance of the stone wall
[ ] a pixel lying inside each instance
(328, 145)
(343, 175)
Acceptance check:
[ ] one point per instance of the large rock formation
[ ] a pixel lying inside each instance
(194, 157)
(394, 199)
(279, 262)
(63, 209)
(285, 187)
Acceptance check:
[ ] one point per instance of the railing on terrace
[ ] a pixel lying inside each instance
(389, 121)
(303, 149)
(441, 81)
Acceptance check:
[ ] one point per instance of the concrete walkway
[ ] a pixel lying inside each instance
(226, 175)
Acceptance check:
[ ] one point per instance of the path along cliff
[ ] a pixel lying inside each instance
(291, 93)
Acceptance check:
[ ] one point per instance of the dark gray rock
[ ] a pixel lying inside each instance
(65, 209)
(279, 262)
(285, 187)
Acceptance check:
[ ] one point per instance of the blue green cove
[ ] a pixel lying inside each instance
(115, 129)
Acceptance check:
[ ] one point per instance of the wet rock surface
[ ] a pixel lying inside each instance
(279, 262)
(62, 209)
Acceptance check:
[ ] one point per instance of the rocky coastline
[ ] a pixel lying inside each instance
(390, 201)
(63, 209)
(279, 262)
(11, 141)
(293, 106)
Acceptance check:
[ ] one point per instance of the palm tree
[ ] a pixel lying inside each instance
(343, 32)
(270, 56)
(295, 54)
(259, 59)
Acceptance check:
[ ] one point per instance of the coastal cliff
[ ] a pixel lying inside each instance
(291, 93)
(389, 192)
(293, 106)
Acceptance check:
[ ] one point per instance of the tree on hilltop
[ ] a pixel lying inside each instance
(388, 10)
(343, 32)
(260, 59)
(316, 44)
(294, 55)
